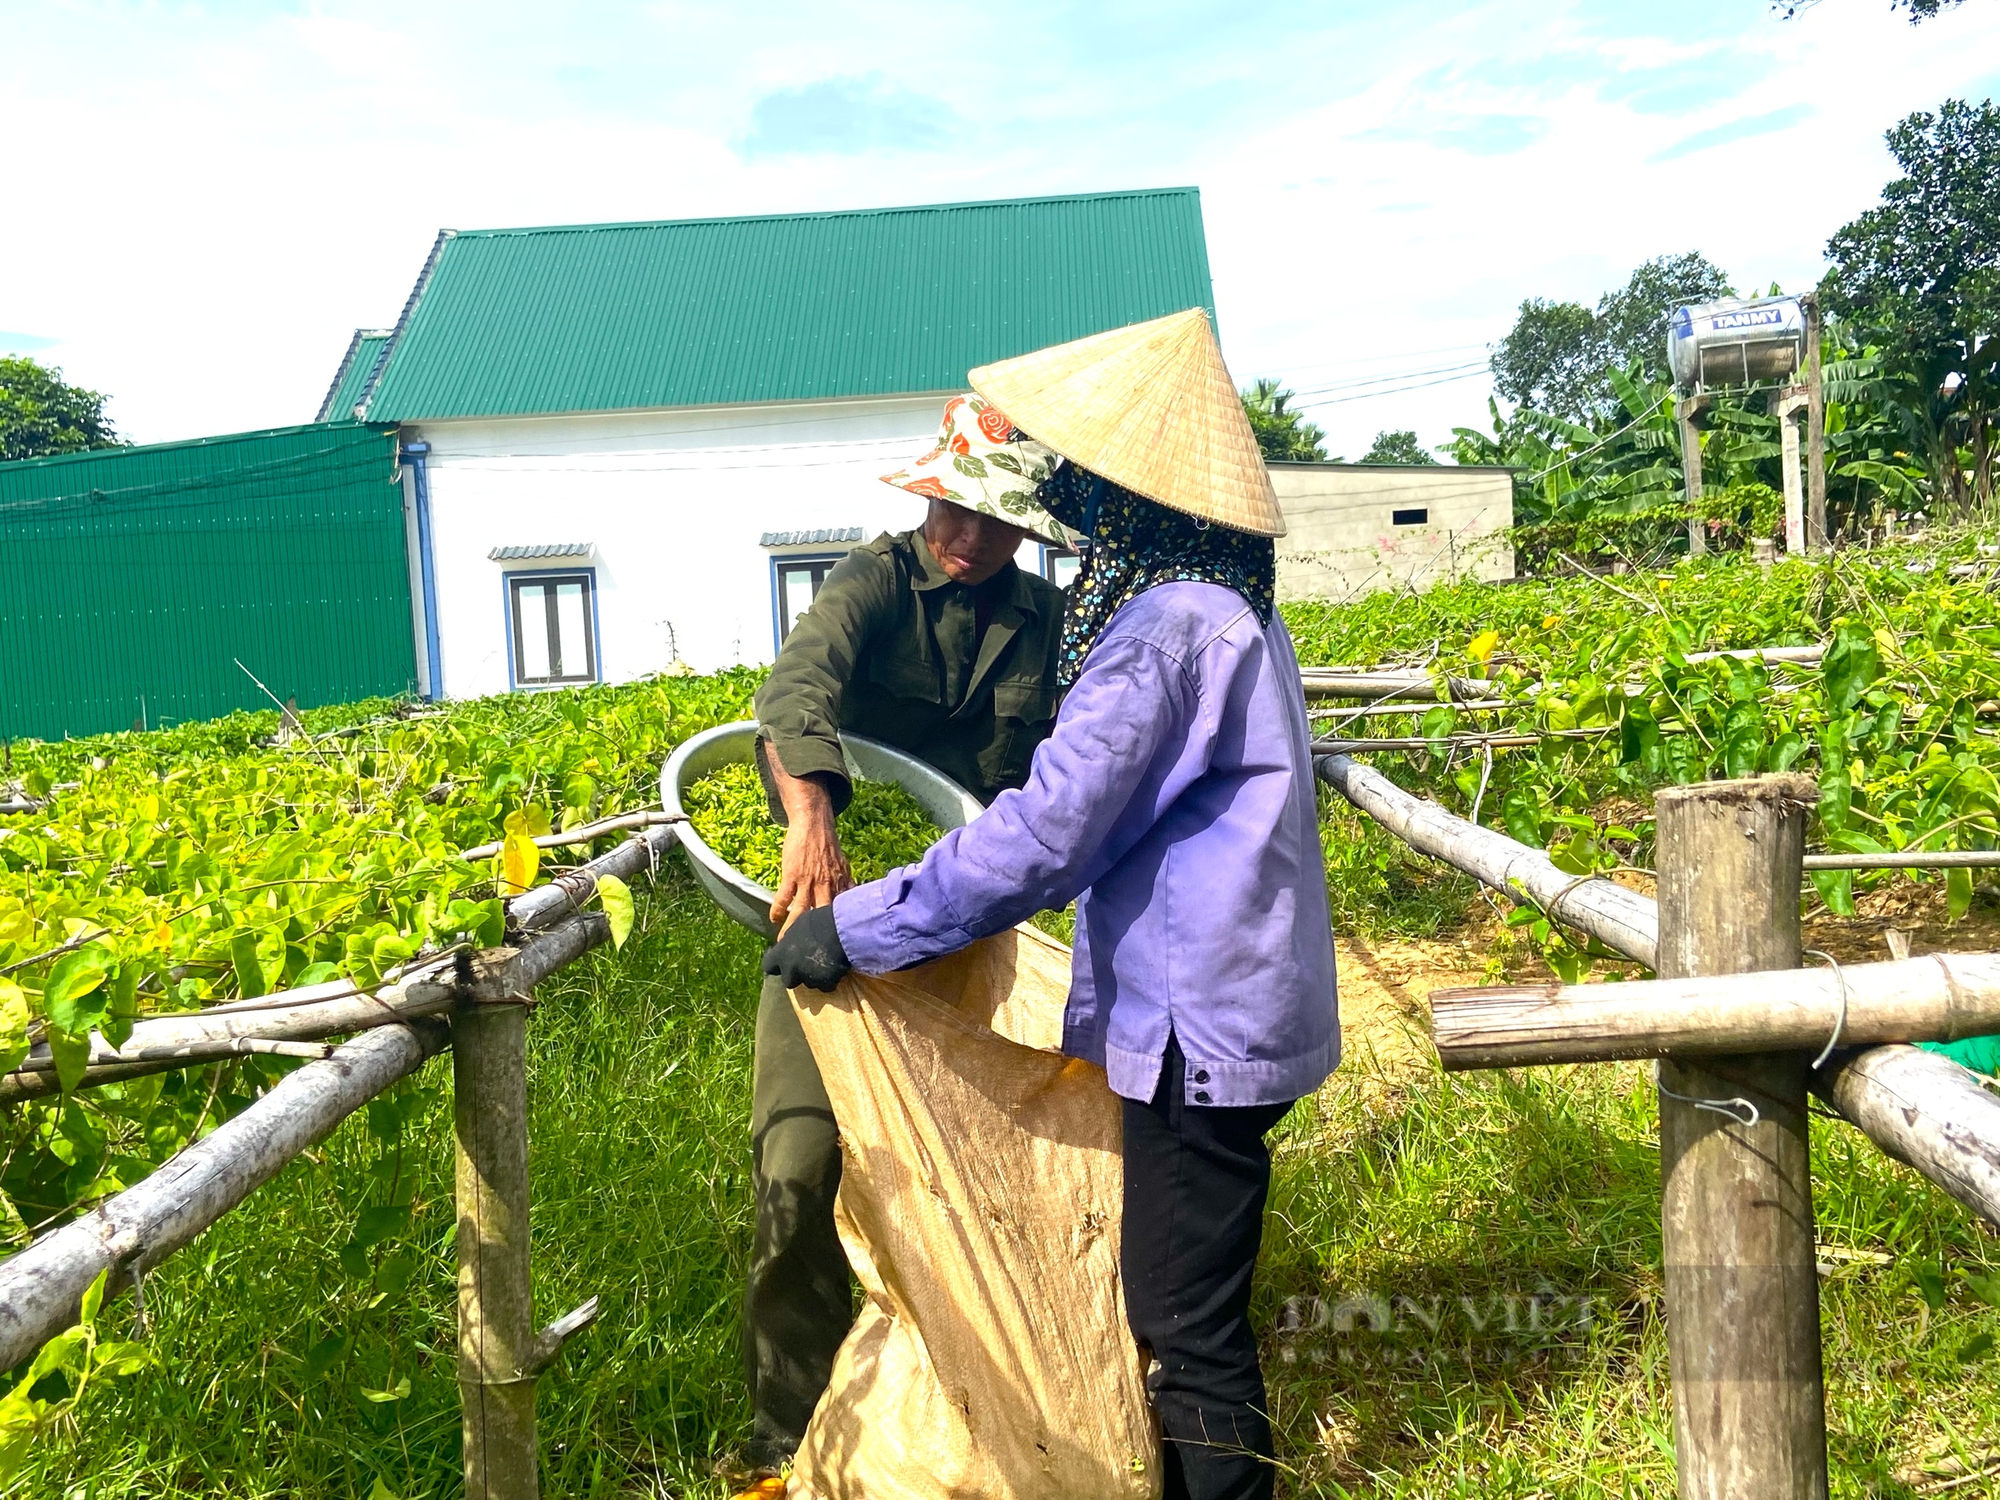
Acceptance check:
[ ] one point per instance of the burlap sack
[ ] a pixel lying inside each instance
(980, 1206)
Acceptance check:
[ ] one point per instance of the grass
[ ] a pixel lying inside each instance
(639, 1068)
(1501, 1228)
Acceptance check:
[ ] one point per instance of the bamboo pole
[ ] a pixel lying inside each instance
(495, 1301)
(41, 1286)
(1616, 917)
(1902, 1126)
(1928, 1113)
(568, 891)
(499, 1353)
(1907, 859)
(1394, 682)
(163, 1043)
(586, 833)
(1939, 998)
(1736, 1221)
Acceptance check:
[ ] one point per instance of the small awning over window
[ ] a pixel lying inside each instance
(540, 550)
(820, 538)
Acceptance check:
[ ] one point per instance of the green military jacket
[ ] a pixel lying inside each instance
(891, 649)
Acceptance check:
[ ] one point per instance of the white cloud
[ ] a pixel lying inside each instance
(261, 181)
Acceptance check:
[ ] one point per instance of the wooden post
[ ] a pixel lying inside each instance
(1736, 1221)
(1686, 408)
(1815, 434)
(496, 1341)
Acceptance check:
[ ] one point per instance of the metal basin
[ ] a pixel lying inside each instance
(949, 805)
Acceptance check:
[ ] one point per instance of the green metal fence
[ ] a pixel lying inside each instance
(136, 579)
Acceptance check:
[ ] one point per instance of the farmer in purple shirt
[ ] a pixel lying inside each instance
(1174, 803)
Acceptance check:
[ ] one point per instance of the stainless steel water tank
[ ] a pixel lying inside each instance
(1735, 341)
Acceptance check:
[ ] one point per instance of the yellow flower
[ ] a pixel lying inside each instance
(1481, 646)
(1547, 621)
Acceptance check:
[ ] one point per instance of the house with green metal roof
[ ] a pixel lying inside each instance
(634, 445)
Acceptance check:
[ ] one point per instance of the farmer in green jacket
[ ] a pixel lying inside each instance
(933, 641)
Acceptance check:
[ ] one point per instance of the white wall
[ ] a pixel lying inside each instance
(672, 504)
(1342, 539)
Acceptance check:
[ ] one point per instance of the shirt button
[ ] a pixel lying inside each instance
(1201, 1096)
(1201, 1075)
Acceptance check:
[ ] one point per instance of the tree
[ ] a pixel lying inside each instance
(1921, 275)
(41, 414)
(1397, 448)
(1632, 321)
(1284, 435)
(1555, 358)
(1550, 360)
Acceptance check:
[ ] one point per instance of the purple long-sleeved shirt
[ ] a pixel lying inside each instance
(1174, 803)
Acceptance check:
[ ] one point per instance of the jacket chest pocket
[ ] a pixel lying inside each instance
(1023, 714)
(897, 674)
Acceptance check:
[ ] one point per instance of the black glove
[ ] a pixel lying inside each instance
(808, 952)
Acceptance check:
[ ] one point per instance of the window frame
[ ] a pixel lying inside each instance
(783, 560)
(1050, 555)
(593, 634)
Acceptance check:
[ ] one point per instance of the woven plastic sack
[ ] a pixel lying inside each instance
(980, 1201)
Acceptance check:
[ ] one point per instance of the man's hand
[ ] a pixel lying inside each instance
(815, 870)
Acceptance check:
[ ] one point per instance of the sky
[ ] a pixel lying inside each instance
(209, 198)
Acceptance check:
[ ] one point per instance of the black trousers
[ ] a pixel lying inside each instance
(1196, 1179)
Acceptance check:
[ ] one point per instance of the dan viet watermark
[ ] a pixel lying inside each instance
(1493, 1327)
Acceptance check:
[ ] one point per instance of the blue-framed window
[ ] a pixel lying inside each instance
(551, 627)
(1059, 565)
(795, 583)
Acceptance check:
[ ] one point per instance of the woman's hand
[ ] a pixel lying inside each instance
(807, 954)
(815, 870)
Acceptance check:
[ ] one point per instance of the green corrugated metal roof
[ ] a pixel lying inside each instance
(697, 312)
(356, 373)
(136, 577)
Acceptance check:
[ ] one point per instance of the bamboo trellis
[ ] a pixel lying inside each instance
(1737, 1057)
(471, 1003)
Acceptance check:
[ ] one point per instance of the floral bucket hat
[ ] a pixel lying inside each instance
(984, 463)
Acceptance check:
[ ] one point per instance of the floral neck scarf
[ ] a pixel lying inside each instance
(1130, 543)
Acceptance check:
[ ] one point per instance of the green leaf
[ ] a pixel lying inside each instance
(1836, 889)
(75, 977)
(1522, 811)
(317, 973)
(72, 1055)
(121, 1357)
(1985, 1288)
(394, 1274)
(243, 958)
(1929, 1282)
(1958, 891)
(93, 1297)
(616, 898)
(1977, 1347)
(13, 1025)
(395, 1392)
(325, 1354)
(124, 1007)
(1852, 662)
(379, 1223)
(381, 1491)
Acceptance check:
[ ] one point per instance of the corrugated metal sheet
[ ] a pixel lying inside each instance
(812, 538)
(529, 550)
(712, 311)
(351, 380)
(135, 577)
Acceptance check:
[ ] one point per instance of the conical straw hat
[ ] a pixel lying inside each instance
(1150, 407)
